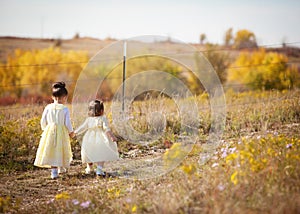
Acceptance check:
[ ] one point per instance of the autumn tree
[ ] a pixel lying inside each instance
(228, 38)
(31, 72)
(245, 39)
(220, 60)
(264, 71)
(202, 38)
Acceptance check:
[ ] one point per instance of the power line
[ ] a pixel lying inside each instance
(262, 64)
(50, 83)
(110, 58)
(72, 81)
(116, 58)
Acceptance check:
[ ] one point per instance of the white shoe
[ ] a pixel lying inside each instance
(88, 170)
(54, 173)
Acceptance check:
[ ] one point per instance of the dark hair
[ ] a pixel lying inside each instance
(96, 108)
(59, 89)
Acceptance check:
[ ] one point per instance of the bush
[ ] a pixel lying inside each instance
(260, 70)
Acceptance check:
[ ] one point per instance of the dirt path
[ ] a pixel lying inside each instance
(35, 186)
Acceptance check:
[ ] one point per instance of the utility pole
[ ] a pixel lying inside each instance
(124, 76)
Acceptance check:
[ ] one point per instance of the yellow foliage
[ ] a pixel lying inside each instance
(244, 39)
(35, 69)
(255, 156)
(264, 70)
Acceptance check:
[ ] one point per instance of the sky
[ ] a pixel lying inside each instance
(272, 21)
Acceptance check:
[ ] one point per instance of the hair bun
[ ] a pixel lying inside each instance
(59, 85)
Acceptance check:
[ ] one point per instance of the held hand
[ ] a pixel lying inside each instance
(72, 135)
(114, 139)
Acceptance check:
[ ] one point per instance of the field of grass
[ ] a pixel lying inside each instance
(255, 168)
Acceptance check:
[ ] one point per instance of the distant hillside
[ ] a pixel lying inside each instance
(93, 45)
(9, 44)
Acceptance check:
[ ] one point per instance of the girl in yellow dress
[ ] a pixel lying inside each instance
(54, 148)
(98, 143)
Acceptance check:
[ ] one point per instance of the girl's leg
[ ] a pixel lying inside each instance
(54, 172)
(101, 164)
(89, 168)
(99, 168)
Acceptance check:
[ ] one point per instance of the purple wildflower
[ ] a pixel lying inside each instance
(221, 187)
(50, 201)
(75, 201)
(85, 204)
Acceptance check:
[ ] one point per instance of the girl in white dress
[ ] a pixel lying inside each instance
(98, 143)
(54, 149)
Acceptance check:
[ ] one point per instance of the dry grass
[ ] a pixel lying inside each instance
(254, 170)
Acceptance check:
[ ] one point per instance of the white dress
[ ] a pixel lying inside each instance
(54, 147)
(96, 145)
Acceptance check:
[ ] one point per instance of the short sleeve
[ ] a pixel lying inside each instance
(105, 124)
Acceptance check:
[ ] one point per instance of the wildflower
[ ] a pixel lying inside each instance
(224, 155)
(63, 195)
(231, 157)
(221, 187)
(75, 201)
(128, 200)
(233, 178)
(189, 169)
(129, 189)
(133, 209)
(214, 165)
(232, 150)
(110, 190)
(50, 201)
(117, 193)
(85, 204)
(288, 146)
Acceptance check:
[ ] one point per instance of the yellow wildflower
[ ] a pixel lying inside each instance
(134, 208)
(63, 195)
(233, 178)
(189, 169)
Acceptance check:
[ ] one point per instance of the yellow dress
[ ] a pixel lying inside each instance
(54, 147)
(96, 145)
